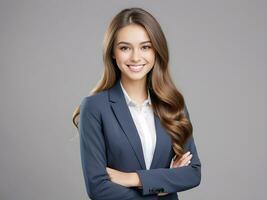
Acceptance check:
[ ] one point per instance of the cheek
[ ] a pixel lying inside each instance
(121, 57)
(151, 57)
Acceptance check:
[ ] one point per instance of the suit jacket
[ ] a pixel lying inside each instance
(109, 138)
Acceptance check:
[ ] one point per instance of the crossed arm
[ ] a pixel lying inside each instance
(183, 175)
(110, 184)
(131, 179)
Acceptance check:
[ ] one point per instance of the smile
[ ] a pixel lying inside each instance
(135, 68)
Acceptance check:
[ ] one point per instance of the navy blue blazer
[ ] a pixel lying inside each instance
(109, 138)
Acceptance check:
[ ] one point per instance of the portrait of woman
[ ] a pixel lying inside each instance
(136, 138)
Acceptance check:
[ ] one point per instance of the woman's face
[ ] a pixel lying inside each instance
(134, 53)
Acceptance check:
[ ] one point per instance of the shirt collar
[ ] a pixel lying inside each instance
(130, 102)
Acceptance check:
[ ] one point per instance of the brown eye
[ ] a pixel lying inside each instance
(146, 47)
(124, 48)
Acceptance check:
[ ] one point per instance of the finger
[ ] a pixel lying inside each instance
(185, 161)
(185, 155)
(188, 158)
(182, 158)
(188, 163)
(177, 162)
(174, 164)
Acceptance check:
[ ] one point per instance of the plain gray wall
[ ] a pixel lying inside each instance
(50, 57)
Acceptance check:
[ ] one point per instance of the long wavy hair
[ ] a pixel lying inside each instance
(167, 102)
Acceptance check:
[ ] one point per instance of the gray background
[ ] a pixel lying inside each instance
(50, 57)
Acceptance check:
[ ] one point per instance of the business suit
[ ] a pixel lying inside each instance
(108, 137)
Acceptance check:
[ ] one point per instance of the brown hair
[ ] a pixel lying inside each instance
(167, 102)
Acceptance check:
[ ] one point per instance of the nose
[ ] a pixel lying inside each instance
(135, 55)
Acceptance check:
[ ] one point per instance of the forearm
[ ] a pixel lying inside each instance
(134, 180)
(111, 191)
(170, 180)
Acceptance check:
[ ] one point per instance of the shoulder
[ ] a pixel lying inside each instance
(94, 103)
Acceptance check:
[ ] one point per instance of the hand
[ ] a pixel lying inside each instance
(183, 161)
(125, 179)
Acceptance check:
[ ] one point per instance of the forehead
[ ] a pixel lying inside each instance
(133, 34)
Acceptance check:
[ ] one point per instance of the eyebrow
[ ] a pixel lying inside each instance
(130, 43)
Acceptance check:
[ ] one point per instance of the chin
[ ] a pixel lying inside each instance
(136, 77)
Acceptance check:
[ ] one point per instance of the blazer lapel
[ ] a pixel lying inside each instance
(124, 117)
(163, 145)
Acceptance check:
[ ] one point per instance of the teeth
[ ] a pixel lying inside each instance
(135, 66)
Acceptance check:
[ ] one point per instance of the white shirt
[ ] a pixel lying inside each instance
(143, 118)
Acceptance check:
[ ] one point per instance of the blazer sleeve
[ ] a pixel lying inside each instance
(93, 158)
(170, 180)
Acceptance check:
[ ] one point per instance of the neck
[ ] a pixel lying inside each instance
(136, 90)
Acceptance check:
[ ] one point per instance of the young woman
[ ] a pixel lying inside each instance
(136, 138)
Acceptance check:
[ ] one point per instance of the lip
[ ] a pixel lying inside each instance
(135, 65)
(136, 68)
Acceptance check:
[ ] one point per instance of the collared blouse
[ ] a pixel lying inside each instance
(143, 118)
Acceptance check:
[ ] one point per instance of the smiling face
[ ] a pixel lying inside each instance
(134, 53)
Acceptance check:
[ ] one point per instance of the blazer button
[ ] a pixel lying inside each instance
(151, 190)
